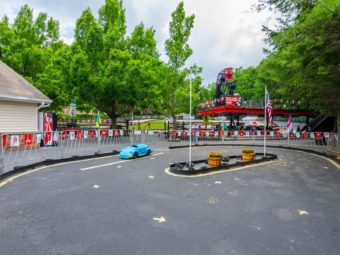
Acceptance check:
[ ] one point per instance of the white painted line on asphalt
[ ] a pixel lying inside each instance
(311, 153)
(11, 179)
(98, 166)
(329, 160)
(158, 154)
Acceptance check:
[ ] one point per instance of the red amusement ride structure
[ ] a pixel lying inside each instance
(226, 103)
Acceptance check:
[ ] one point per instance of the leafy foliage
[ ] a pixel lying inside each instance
(305, 63)
(33, 49)
(178, 51)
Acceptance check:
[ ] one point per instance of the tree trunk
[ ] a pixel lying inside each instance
(174, 122)
(114, 121)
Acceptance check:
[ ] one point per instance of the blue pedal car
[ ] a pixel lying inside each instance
(135, 151)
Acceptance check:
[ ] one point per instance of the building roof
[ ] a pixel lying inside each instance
(15, 88)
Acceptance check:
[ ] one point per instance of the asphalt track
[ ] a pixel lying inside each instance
(110, 206)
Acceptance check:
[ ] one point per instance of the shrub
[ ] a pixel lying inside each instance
(248, 151)
(215, 154)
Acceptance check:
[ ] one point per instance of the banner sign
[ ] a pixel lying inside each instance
(72, 135)
(48, 128)
(38, 138)
(4, 140)
(15, 140)
(110, 132)
(92, 133)
(104, 133)
(28, 139)
(55, 136)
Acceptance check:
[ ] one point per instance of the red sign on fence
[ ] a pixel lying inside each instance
(79, 135)
(104, 133)
(4, 140)
(91, 133)
(318, 135)
(28, 139)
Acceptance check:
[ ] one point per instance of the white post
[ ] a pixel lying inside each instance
(288, 132)
(190, 138)
(99, 139)
(2, 155)
(265, 121)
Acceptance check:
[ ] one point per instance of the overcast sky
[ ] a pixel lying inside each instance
(226, 32)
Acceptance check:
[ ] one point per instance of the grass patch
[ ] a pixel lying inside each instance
(149, 125)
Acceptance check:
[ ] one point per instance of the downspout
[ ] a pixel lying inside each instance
(43, 105)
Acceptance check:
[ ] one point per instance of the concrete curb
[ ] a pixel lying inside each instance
(176, 169)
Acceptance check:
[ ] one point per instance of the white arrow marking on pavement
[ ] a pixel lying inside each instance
(160, 220)
(303, 212)
(109, 164)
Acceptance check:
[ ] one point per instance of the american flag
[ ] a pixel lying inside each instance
(290, 125)
(269, 108)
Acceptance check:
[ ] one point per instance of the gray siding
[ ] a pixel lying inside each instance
(16, 117)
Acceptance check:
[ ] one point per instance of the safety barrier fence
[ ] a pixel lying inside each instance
(23, 149)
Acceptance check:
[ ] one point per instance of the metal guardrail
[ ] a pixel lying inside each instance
(24, 149)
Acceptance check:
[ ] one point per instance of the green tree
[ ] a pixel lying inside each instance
(115, 73)
(305, 63)
(178, 51)
(183, 95)
(89, 37)
(31, 47)
(248, 85)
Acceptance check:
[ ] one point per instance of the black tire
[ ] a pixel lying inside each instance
(148, 152)
(135, 155)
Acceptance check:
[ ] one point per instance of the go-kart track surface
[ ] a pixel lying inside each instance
(114, 206)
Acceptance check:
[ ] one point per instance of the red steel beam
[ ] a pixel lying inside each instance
(223, 109)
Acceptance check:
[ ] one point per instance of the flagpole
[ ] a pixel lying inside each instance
(190, 128)
(98, 120)
(288, 129)
(265, 121)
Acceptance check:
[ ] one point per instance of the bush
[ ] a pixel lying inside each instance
(215, 154)
(248, 151)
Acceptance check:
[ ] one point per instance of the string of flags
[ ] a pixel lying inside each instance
(211, 102)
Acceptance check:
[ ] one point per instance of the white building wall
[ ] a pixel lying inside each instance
(17, 117)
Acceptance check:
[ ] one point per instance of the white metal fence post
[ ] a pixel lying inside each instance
(2, 156)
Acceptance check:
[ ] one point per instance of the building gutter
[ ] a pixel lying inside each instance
(44, 102)
(43, 105)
